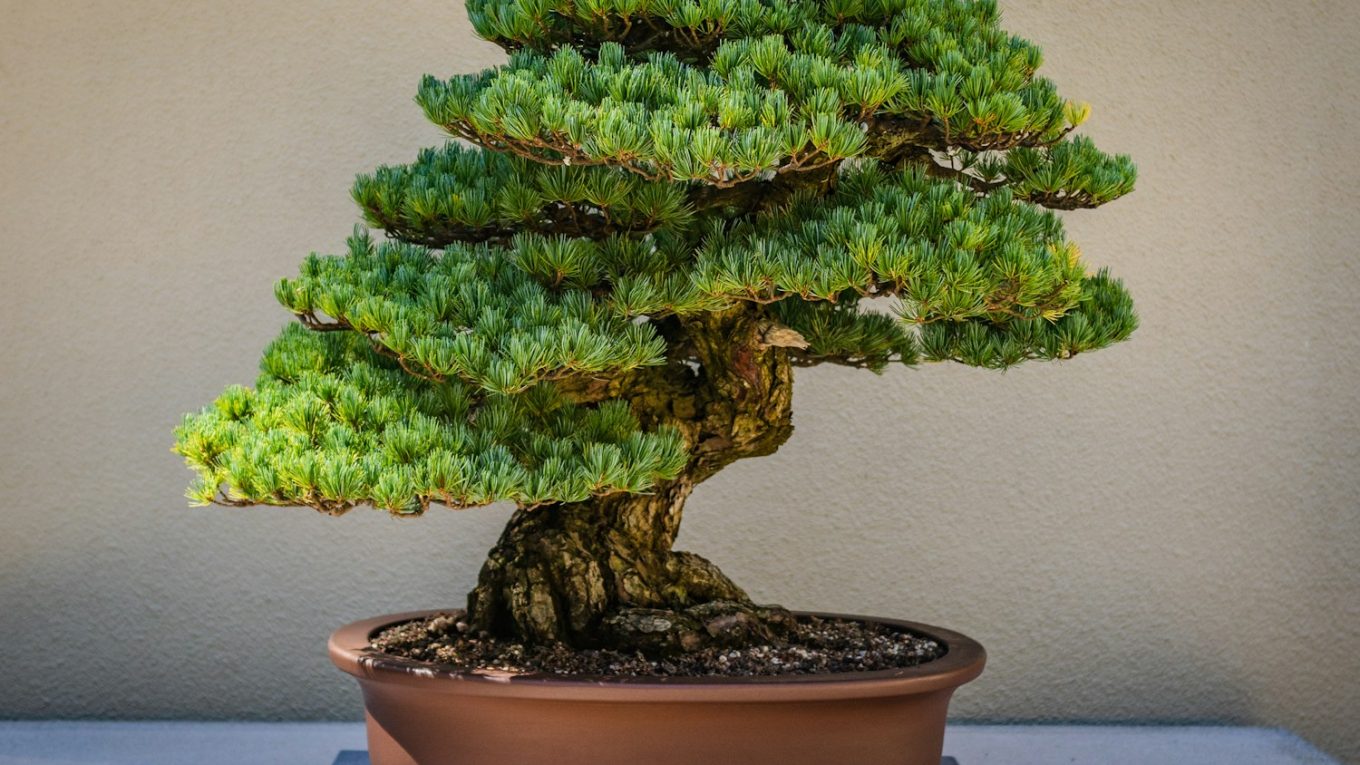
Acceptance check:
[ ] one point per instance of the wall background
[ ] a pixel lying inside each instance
(1164, 531)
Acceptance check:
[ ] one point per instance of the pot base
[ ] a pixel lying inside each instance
(419, 714)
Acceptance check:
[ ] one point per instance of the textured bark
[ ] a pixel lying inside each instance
(602, 573)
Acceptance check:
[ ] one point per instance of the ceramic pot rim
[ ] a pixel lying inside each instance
(962, 662)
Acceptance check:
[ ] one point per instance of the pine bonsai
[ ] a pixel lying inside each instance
(666, 207)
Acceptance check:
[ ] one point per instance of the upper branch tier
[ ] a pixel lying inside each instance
(693, 29)
(764, 106)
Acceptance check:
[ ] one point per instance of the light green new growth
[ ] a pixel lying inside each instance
(636, 166)
(331, 423)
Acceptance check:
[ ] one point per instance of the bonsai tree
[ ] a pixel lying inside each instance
(661, 209)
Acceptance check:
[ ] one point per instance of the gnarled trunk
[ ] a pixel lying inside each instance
(602, 572)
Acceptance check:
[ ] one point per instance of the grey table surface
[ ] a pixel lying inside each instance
(189, 743)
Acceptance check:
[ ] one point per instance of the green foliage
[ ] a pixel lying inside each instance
(924, 31)
(457, 194)
(685, 24)
(842, 333)
(1104, 316)
(661, 119)
(1066, 175)
(470, 314)
(771, 103)
(331, 424)
(638, 160)
(950, 255)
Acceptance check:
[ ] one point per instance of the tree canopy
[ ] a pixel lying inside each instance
(637, 162)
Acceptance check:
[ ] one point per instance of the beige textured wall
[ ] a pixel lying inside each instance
(1163, 531)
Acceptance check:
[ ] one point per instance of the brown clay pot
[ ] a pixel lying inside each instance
(421, 715)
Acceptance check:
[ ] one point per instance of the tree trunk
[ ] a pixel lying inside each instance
(602, 573)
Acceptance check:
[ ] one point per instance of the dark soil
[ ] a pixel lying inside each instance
(817, 646)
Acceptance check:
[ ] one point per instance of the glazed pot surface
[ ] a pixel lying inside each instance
(420, 714)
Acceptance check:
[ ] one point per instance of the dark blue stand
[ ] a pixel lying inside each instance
(361, 758)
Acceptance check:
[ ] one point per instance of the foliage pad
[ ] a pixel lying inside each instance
(656, 193)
